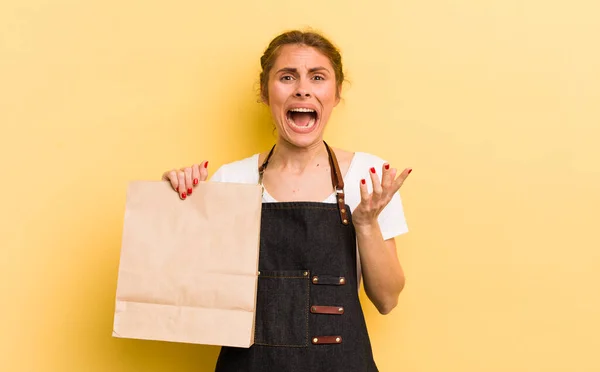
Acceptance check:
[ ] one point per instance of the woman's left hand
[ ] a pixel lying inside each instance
(371, 205)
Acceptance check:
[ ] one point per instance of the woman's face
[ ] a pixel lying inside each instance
(302, 92)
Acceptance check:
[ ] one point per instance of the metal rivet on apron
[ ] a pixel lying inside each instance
(338, 339)
(341, 309)
(314, 308)
(315, 340)
(345, 222)
(259, 273)
(315, 279)
(306, 273)
(341, 200)
(342, 280)
(343, 210)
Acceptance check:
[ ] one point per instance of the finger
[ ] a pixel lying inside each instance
(181, 189)
(376, 183)
(390, 189)
(204, 171)
(364, 191)
(195, 174)
(171, 176)
(398, 182)
(387, 176)
(188, 180)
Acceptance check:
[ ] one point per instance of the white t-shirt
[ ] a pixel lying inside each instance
(391, 219)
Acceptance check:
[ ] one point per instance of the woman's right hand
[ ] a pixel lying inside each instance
(184, 179)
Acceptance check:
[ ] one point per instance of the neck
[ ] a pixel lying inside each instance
(297, 159)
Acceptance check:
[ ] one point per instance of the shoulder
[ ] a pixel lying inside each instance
(239, 171)
(359, 168)
(368, 160)
(360, 163)
(356, 162)
(356, 165)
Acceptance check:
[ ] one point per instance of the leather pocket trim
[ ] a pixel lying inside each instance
(326, 340)
(331, 310)
(328, 280)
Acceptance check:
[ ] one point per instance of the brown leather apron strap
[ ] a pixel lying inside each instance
(336, 178)
(263, 166)
(338, 183)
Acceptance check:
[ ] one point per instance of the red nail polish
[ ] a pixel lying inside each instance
(410, 170)
(190, 191)
(372, 170)
(183, 195)
(387, 166)
(195, 181)
(363, 181)
(206, 165)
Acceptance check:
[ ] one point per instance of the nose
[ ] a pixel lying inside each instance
(302, 93)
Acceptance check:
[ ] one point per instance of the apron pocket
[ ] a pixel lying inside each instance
(282, 308)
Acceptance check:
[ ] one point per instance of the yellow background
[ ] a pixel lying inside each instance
(494, 103)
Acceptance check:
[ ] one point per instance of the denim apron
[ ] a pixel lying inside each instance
(308, 314)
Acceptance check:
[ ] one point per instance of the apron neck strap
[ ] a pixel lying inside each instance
(337, 179)
(336, 175)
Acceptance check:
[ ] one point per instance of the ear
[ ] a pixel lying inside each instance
(263, 98)
(338, 95)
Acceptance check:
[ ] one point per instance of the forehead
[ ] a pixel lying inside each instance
(300, 56)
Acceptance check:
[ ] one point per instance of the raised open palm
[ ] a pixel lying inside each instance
(371, 204)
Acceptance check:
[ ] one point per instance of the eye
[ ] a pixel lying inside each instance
(319, 77)
(286, 77)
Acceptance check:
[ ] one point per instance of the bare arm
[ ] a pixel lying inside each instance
(382, 272)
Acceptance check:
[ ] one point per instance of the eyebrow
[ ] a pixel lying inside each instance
(295, 70)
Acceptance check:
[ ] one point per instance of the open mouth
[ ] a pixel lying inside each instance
(302, 118)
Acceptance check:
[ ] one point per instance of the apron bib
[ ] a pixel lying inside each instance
(308, 315)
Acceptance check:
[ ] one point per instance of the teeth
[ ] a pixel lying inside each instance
(310, 124)
(302, 109)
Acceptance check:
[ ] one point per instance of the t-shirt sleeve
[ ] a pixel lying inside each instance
(218, 176)
(240, 171)
(392, 220)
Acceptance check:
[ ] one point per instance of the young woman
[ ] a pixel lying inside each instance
(329, 218)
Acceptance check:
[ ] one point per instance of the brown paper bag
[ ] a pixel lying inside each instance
(188, 270)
